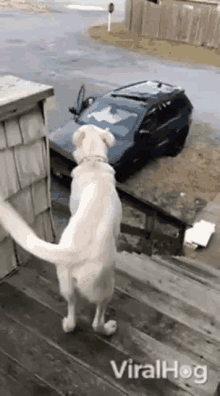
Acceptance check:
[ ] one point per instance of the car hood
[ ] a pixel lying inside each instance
(61, 142)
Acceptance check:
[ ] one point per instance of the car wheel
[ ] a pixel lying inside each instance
(121, 172)
(175, 148)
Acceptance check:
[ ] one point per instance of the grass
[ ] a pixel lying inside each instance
(165, 49)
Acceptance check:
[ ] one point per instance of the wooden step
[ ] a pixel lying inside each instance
(200, 272)
(33, 283)
(92, 353)
(198, 265)
(148, 329)
(177, 285)
(51, 364)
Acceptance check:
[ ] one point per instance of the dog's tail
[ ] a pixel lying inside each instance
(26, 238)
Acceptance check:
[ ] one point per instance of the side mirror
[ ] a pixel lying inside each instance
(73, 111)
(87, 102)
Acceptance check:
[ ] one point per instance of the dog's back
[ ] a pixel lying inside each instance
(95, 228)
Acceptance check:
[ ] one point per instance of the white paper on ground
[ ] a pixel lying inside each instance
(200, 233)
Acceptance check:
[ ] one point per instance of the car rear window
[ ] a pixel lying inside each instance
(171, 109)
(108, 114)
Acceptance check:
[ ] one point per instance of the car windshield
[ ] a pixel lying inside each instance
(119, 118)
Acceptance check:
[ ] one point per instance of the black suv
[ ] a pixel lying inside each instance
(148, 119)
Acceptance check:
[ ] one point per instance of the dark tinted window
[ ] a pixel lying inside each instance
(171, 109)
(150, 121)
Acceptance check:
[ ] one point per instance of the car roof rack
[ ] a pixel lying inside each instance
(147, 98)
(145, 82)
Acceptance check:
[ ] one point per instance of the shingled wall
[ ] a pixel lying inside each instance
(25, 179)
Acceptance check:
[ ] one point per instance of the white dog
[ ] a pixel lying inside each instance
(86, 254)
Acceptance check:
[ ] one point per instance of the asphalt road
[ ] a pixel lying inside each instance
(55, 50)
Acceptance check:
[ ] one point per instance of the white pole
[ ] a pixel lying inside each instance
(109, 22)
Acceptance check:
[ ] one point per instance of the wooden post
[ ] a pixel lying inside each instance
(128, 6)
(109, 22)
(24, 162)
(217, 392)
(179, 251)
(131, 16)
(147, 246)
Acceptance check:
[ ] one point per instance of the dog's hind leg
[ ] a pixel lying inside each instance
(69, 322)
(68, 291)
(99, 324)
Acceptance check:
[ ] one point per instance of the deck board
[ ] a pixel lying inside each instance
(178, 285)
(155, 321)
(144, 317)
(175, 308)
(49, 362)
(146, 332)
(92, 351)
(15, 380)
(198, 272)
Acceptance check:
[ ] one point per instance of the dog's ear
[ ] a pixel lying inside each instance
(108, 138)
(78, 137)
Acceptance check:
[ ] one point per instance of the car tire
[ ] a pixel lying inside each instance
(175, 148)
(121, 173)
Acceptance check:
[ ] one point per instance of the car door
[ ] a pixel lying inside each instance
(145, 133)
(172, 118)
(167, 122)
(158, 127)
(155, 129)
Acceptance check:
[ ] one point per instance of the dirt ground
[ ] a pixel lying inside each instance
(25, 5)
(182, 185)
(165, 49)
(186, 182)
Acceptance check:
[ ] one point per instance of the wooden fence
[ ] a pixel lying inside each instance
(196, 22)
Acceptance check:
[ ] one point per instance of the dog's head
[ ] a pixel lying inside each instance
(91, 140)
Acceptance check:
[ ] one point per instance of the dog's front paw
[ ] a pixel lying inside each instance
(108, 329)
(68, 325)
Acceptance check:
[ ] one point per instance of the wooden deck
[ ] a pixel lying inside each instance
(166, 310)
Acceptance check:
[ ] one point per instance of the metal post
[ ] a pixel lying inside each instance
(109, 22)
(110, 11)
